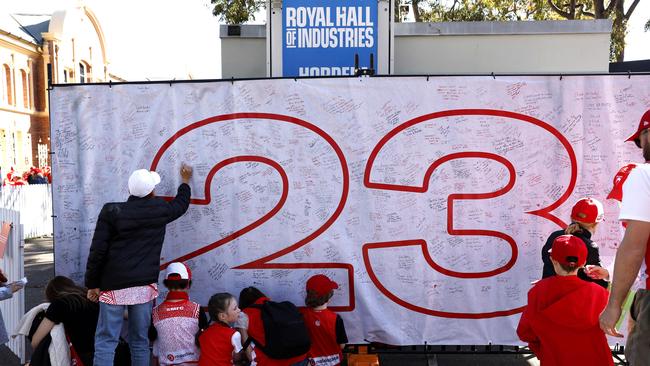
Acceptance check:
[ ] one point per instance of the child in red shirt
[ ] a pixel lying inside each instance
(176, 321)
(256, 332)
(326, 328)
(220, 343)
(560, 322)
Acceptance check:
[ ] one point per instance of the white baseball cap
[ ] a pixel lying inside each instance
(178, 271)
(142, 182)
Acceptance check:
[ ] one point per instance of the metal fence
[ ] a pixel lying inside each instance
(34, 202)
(13, 264)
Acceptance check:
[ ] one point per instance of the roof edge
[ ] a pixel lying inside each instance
(596, 26)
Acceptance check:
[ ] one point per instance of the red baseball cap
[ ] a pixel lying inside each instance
(569, 250)
(619, 179)
(321, 285)
(643, 124)
(588, 211)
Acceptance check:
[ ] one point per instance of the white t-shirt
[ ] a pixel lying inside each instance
(636, 195)
(636, 206)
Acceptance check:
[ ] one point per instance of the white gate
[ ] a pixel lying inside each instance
(13, 264)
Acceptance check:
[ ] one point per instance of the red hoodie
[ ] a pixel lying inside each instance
(560, 322)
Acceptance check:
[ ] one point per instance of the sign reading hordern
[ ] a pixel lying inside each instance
(322, 38)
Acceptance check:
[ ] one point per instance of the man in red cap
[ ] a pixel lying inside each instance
(326, 328)
(635, 213)
(560, 320)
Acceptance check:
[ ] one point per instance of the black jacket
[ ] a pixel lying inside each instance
(593, 256)
(125, 251)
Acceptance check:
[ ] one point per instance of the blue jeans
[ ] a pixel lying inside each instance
(109, 326)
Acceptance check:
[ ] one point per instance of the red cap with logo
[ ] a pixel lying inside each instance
(569, 250)
(321, 285)
(588, 211)
(643, 124)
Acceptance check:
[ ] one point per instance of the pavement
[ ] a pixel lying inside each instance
(39, 269)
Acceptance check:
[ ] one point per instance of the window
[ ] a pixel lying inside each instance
(10, 94)
(85, 72)
(82, 73)
(65, 76)
(49, 75)
(23, 76)
(42, 154)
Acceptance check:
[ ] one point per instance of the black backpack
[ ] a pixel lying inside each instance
(284, 329)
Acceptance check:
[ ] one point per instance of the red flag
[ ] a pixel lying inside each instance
(4, 237)
(619, 179)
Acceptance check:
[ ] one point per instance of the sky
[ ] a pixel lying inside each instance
(638, 41)
(166, 39)
(147, 39)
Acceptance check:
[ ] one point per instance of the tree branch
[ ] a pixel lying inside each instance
(558, 10)
(416, 10)
(631, 9)
(453, 6)
(589, 14)
(584, 12)
(572, 9)
(610, 7)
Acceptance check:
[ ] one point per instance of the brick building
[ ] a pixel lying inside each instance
(67, 46)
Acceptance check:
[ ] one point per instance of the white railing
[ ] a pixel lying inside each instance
(13, 264)
(34, 202)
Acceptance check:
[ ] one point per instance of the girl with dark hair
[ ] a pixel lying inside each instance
(247, 297)
(254, 300)
(69, 305)
(220, 344)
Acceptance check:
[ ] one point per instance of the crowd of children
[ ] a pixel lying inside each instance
(560, 322)
(264, 332)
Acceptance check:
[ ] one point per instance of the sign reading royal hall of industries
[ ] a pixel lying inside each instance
(321, 38)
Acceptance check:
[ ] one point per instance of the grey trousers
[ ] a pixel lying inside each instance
(637, 349)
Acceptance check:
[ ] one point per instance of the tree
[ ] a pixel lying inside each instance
(512, 10)
(488, 10)
(236, 11)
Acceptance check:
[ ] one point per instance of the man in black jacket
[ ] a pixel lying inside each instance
(124, 262)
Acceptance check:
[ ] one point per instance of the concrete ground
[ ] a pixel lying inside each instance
(39, 269)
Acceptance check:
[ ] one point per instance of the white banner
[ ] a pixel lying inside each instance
(427, 199)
